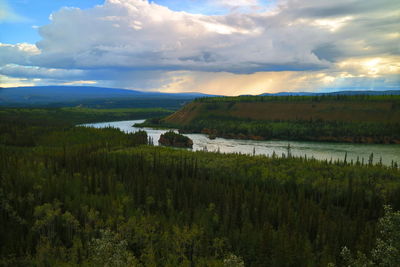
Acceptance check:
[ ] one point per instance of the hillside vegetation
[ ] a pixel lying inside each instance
(33, 126)
(367, 119)
(76, 196)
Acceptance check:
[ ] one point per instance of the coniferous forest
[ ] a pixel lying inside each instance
(328, 118)
(76, 196)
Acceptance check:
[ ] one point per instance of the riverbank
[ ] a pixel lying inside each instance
(350, 119)
(311, 149)
(303, 131)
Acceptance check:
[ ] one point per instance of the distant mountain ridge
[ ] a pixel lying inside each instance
(102, 96)
(85, 95)
(76, 92)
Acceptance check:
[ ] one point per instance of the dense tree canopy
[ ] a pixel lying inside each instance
(74, 196)
(336, 118)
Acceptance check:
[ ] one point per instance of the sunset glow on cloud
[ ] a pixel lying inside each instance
(249, 47)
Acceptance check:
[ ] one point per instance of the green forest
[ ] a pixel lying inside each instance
(171, 138)
(296, 98)
(76, 196)
(335, 118)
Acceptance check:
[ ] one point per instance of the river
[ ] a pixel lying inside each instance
(318, 150)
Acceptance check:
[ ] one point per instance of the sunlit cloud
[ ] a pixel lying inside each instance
(15, 82)
(256, 83)
(79, 82)
(332, 24)
(371, 67)
(24, 47)
(17, 53)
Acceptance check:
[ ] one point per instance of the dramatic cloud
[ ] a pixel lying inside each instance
(293, 45)
(142, 35)
(17, 54)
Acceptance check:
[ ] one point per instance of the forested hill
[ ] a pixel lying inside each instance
(361, 118)
(91, 97)
(289, 108)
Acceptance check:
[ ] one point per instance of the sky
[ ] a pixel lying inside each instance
(210, 46)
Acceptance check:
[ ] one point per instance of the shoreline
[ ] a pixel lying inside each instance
(212, 134)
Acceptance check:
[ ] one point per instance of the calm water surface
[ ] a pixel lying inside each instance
(318, 150)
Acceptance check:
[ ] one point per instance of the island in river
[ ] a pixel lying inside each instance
(330, 151)
(171, 138)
